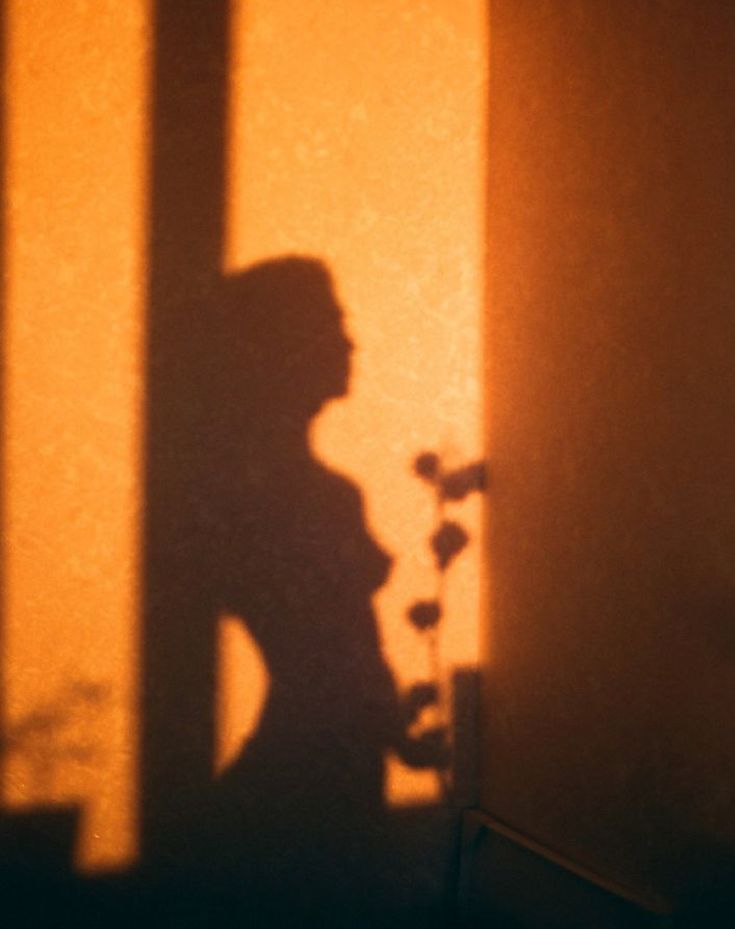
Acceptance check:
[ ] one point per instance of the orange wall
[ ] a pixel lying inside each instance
(355, 133)
(610, 660)
(362, 142)
(75, 157)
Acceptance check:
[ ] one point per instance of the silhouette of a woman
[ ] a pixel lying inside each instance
(293, 558)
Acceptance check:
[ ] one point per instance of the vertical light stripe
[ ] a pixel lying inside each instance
(358, 136)
(76, 162)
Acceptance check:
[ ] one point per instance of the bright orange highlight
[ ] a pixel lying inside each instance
(243, 688)
(76, 98)
(357, 134)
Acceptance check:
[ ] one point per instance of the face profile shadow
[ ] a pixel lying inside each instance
(298, 820)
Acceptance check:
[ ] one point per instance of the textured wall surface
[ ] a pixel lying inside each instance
(611, 336)
(357, 136)
(154, 152)
(74, 254)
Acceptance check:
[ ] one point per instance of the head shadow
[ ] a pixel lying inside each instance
(284, 351)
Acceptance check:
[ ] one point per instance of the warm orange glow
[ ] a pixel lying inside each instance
(357, 135)
(242, 691)
(76, 102)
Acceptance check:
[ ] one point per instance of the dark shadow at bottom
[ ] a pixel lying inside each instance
(397, 876)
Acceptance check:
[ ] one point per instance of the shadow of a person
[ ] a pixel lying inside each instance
(300, 812)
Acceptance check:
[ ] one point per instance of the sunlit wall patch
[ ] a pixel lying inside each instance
(357, 135)
(76, 98)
